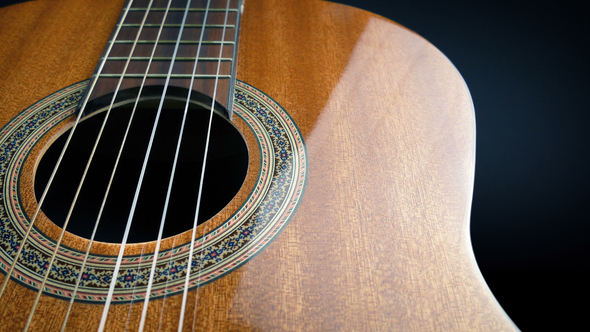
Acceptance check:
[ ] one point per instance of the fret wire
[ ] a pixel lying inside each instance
(163, 76)
(163, 58)
(206, 42)
(235, 10)
(176, 25)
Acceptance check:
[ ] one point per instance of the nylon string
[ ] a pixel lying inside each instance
(192, 247)
(136, 281)
(170, 265)
(115, 168)
(171, 180)
(139, 184)
(107, 191)
(72, 205)
(56, 167)
(82, 108)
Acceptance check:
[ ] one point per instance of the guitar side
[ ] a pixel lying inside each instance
(380, 240)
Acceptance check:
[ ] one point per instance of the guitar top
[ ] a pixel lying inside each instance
(378, 237)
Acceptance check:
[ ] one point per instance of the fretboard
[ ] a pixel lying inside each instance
(156, 48)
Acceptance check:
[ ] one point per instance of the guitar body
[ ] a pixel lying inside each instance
(380, 237)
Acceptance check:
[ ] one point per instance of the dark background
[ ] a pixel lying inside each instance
(527, 67)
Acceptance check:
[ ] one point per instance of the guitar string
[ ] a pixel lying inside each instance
(107, 191)
(42, 199)
(138, 95)
(230, 105)
(168, 277)
(200, 192)
(239, 6)
(139, 184)
(49, 182)
(230, 100)
(135, 282)
(171, 180)
(84, 174)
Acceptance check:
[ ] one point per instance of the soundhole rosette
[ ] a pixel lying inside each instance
(264, 214)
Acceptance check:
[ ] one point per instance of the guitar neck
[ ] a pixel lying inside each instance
(191, 49)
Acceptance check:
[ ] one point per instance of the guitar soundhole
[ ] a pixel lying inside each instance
(226, 168)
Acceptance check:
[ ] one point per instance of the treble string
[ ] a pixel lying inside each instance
(107, 191)
(200, 192)
(75, 125)
(135, 282)
(168, 278)
(69, 215)
(139, 184)
(171, 180)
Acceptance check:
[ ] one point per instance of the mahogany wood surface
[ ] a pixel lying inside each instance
(380, 240)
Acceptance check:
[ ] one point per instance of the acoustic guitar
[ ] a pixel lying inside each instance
(233, 165)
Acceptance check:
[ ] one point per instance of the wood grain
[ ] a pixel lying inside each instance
(381, 238)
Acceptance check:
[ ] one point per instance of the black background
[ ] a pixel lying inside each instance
(526, 65)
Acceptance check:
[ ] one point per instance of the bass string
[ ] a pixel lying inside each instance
(84, 174)
(168, 277)
(172, 174)
(230, 104)
(107, 191)
(135, 282)
(139, 184)
(55, 168)
(188, 100)
(49, 182)
(200, 192)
